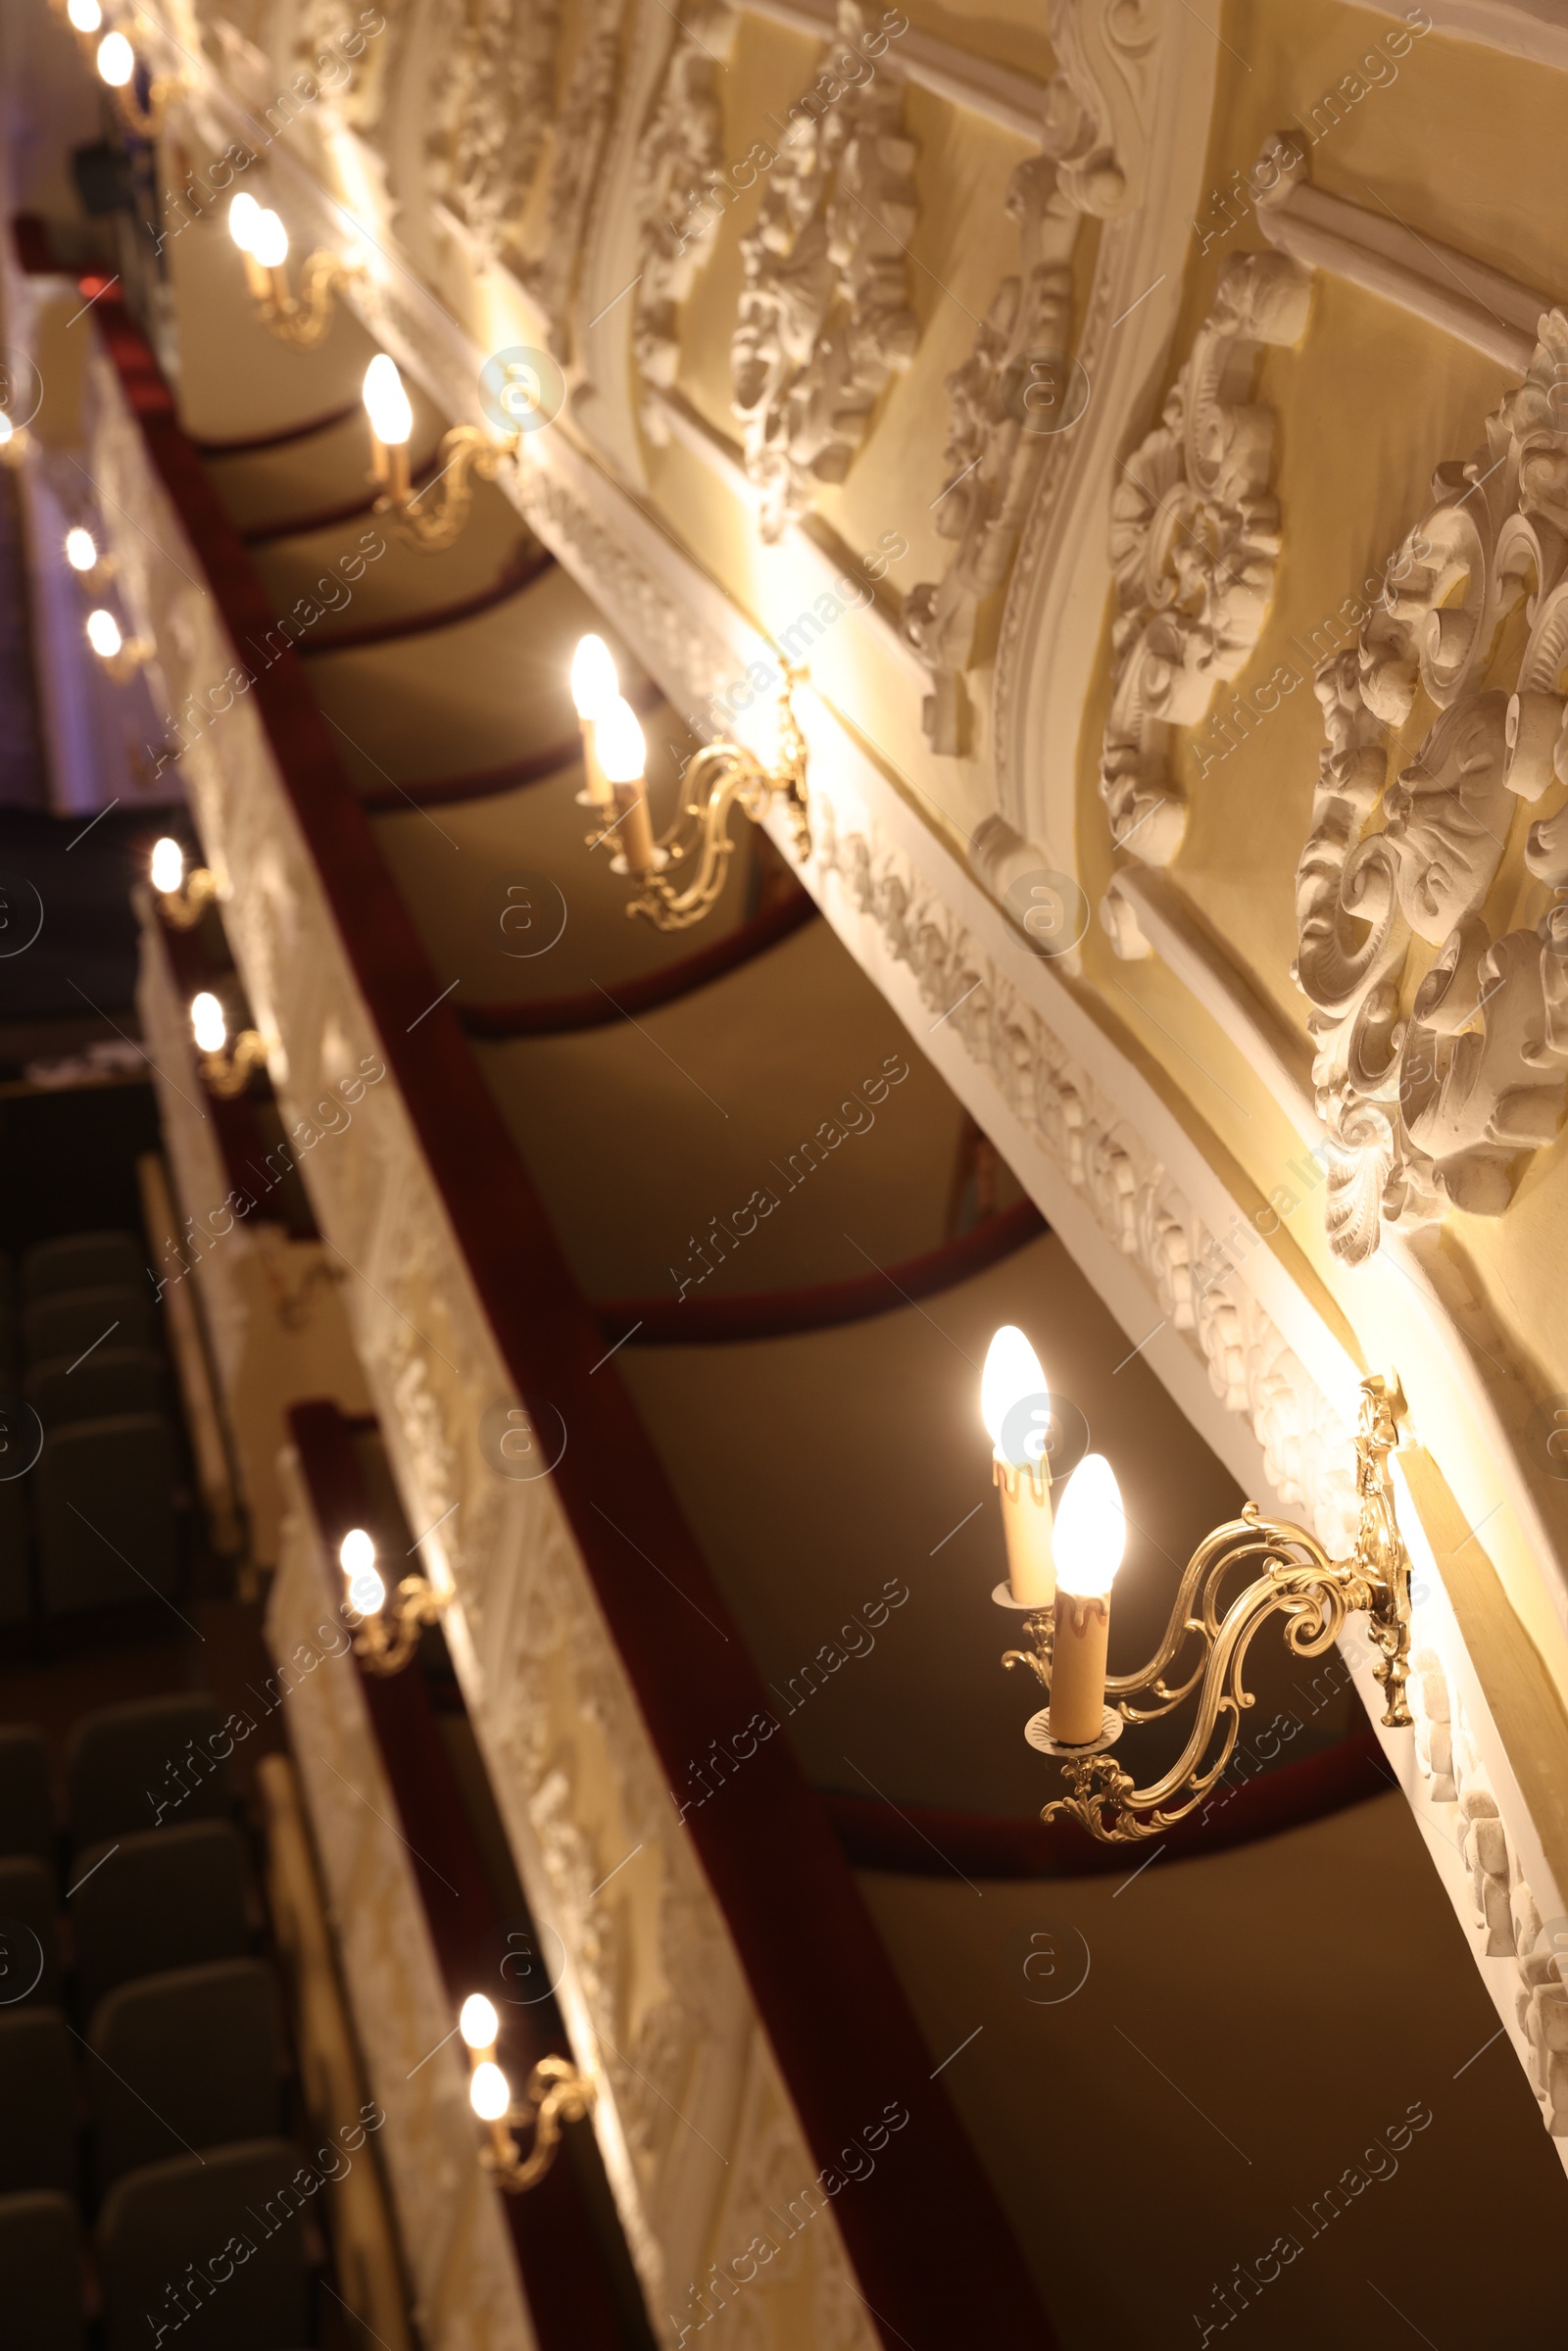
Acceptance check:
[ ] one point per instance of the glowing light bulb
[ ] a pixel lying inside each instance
(356, 1555)
(103, 634)
(243, 215)
(86, 15)
(1012, 1375)
(167, 869)
(117, 60)
(206, 1023)
(478, 2022)
(489, 2092)
(81, 549)
(268, 237)
(387, 403)
(594, 683)
(7, 428)
(619, 740)
(1091, 1533)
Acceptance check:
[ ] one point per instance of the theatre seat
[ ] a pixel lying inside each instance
(66, 1323)
(83, 1261)
(40, 2273)
(106, 1518)
(190, 2059)
(235, 2221)
(38, 2103)
(29, 1965)
(111, 1379)
(165, 1898)
(123, 1762)
(27, 1806)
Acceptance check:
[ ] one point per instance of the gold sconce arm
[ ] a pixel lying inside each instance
(1293, 1577)
(229, 1071)
(147, 122)
(302, 321)
(557, 2093)
(388, 1639)
(683, 879)
(466, 455)
(182, 909)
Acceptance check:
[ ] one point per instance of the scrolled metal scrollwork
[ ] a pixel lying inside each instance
(719, 777)
(1293, 1577)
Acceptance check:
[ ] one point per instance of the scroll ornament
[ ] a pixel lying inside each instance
(1437, 1108)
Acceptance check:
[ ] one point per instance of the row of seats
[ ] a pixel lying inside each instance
(162, 2104)
(99, 1507)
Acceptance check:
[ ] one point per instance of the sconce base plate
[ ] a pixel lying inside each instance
(1002, 1596)
(1037, 1731)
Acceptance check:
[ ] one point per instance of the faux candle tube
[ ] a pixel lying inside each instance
(1026, 1525)
(1078, 1669)
(600, 791)
(636, 828)
(258, 278)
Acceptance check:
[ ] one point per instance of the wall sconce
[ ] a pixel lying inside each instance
(224, 1073)
(15, 441)
(182, 895)
(466, 454)
(557, 2093)
(1066, 1616)
(722, 775)
(263, 241)
(387, 1636)
(120, 655)
(117, 68)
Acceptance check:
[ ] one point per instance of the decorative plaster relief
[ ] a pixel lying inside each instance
(491, 108)
(1437, 1108)
(824, 317)
(1194, 539)
(680, 156)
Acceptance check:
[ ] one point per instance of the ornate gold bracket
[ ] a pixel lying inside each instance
(387, 1640)
(466, 456)
(691, 862)
(302, 320)
(1295, 1577)
(557, 2093)
(227, 1073)
(183, 908)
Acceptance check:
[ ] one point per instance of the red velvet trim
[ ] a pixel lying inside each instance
(594, 1008)
(508, 583)
(934, 2257)
(822, 1306)
(560, 2266)
(875, 1836)
(279, 440)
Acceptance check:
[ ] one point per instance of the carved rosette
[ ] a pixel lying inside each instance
(1437, 1108)
(824, 317)
(1092, 162)
(1194, 541)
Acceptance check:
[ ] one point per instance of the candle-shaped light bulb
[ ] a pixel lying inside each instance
(81, 549)
(166, 869)
(206, 1023)
(623, 756)
(387, 403)
(478, 2022)
(6, 429)
(117, 60)
(356, 1555)
(243, 213)
(489, 2091)
(103, 634)
(1015, 1406)
(86, 15)
(595, 685)
(1090, 1537)
(269, 240)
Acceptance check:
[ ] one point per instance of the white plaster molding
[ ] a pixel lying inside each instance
(1384, 256)
(1529, 28)
(490, 110)
(1195, 532)
(823, 318)
(1015, 102)
(1049, 643)
(680, 154)
(468, 2295)
(1440, 1109)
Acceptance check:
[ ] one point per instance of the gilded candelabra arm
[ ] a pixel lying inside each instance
(227, 1073)
(466, 455)
(1039, 1627)
(1299, 1580)
(720, 776)
(386, 1641)
(557, 2093)
(183, 908)
(147, 122)
(304, 322)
